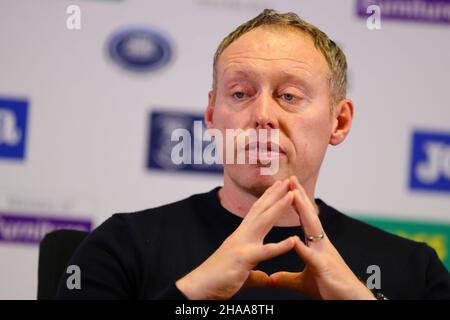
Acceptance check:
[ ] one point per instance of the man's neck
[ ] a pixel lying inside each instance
(239, 201)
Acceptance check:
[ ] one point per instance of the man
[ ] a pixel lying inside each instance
(262, 236)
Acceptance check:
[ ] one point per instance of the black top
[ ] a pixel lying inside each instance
(141, 255)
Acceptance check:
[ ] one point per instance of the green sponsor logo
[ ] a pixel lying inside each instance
(436, 235)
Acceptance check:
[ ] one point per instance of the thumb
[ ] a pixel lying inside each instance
(272, 250)
(257, 279)
(287, 280)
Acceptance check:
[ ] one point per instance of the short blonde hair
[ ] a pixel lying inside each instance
(333, 54)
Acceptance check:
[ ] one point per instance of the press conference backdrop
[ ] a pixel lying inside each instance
(91, 90)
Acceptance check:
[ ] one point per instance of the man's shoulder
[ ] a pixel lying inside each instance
(173, 213)
(352, 229)
(410, 269)
(364, 244)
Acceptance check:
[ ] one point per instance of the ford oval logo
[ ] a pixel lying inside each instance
(140, 49)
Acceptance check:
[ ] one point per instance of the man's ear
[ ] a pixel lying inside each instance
(342, 121)
(210, 109)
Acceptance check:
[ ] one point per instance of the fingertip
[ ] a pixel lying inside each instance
(302, 249)
(288, 242)
(289, 196)
(274, 277)
(269, 282)
(297, 242)
(291, 183)
(296, 193)
(285, 185)
(273, 280)
(292, 241)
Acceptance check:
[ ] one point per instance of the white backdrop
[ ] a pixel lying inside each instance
(87, 133)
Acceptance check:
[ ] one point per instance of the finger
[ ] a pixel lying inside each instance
(297, 281)
(266, 221)
(270, 196)
(307, 212)
(260, 202)
(271, 250)
(267, 192)
(257, 279)
(306, 253)
(287, 280)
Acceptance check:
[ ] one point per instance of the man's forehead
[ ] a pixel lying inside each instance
(273, 46)
(246, 70)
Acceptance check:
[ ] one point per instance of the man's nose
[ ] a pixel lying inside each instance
(265, 112)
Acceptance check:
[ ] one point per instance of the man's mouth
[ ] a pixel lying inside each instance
(264, 151)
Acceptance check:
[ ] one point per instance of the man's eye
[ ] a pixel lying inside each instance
(239, 95)
(287, 96)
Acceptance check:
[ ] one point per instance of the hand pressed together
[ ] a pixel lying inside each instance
(231, 267)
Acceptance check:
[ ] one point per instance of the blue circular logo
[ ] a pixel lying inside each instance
(140, 49)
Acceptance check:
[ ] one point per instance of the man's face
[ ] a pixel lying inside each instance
(274, 79)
